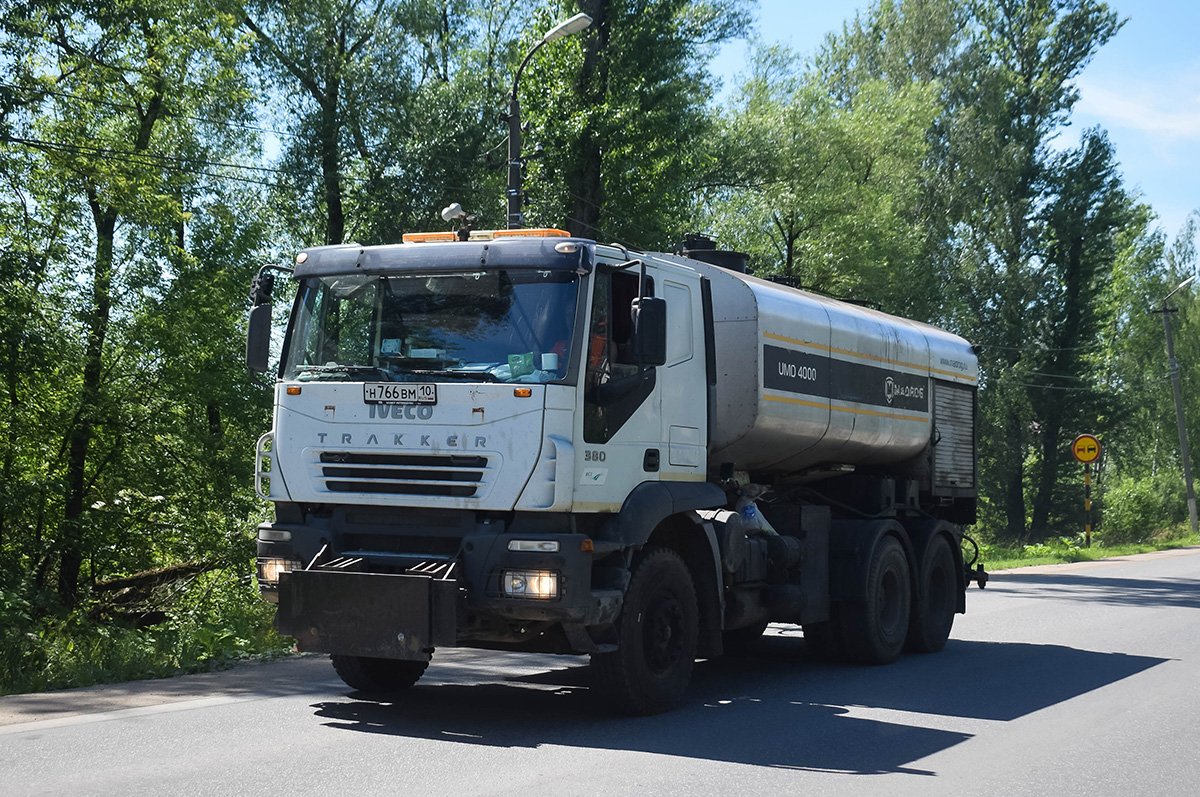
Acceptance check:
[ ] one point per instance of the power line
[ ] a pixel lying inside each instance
(132, 107)
(168, 166)
(182, 165)
(62, 146)
(1094, 388)
(1036, 350)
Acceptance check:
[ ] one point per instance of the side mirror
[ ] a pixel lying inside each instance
(258, 339)
(650, 330)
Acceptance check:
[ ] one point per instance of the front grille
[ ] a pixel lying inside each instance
(442, 547)
(450, 475)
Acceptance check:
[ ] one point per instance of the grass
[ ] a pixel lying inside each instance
(223, 621)
(1071, 549)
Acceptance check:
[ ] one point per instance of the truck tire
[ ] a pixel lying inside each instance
(378, 675)
(657, 635)
(874, 629)
(933, 611)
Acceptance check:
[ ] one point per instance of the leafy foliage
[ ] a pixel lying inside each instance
(826, 193)
(153, 153)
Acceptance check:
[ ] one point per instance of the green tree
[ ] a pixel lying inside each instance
(1080, 228)
(825, 192)
(620, 109)
(388, 107)
(1028, 52)
(112, 102)
(1007, 69)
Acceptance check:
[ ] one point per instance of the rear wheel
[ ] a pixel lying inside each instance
(933, 612)
(874, 630)
(657, 635)
(378, 675)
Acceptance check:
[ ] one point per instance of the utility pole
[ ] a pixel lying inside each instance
(1183, 442)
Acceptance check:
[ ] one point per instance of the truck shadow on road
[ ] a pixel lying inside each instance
(772, 706)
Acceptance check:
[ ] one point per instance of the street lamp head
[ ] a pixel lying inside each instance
(572, 25)
(1179, 287)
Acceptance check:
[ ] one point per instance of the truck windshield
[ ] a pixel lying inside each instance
(496, 326)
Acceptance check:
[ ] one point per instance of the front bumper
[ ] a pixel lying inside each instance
(378, 604)
(368, 614)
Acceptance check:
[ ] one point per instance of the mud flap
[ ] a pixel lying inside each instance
(367, 614)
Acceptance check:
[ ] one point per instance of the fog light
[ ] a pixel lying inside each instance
(269, 568)
(537, 546)
(540, 584)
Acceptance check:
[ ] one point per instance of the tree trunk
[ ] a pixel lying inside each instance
(585, 179)
(79, 436)
(335, 229)
(215, 431)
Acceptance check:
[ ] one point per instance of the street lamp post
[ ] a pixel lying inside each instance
(1183, 442)
(516, 218)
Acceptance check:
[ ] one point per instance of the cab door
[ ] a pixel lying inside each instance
(684, 380)
(619, 419)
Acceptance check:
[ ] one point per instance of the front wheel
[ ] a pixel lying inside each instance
(378, 675)
(657, 635)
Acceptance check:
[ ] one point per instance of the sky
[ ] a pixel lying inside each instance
(1143, 87)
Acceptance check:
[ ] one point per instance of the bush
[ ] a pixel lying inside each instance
(1139, 509)
(218, 619)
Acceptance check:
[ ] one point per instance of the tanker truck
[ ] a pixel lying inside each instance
(520, 440)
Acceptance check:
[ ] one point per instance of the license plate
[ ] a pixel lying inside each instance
(399, 393)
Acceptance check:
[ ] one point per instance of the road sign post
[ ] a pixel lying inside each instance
(1086, 449)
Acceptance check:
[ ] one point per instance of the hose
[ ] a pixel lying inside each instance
(974, 545)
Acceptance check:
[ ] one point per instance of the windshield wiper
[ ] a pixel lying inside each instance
(357, 370)
(483, 376)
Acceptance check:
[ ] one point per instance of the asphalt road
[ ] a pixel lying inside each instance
(1076, 679)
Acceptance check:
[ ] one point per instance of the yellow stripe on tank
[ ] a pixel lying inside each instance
(861, 355)
(851, 410)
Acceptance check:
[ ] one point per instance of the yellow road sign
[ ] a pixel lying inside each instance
(1086, 448)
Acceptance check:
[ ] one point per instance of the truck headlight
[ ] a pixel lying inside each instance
(539, 584)
(269, 568)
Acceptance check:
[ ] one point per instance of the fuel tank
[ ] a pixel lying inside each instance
(804, 380)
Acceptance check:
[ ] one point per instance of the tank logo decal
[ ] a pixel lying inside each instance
(960, 374)
(893, 389)
(811, 374)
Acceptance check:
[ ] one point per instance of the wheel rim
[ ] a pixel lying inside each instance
(662, 633)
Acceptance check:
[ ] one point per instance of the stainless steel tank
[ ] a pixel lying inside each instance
(804, 380)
